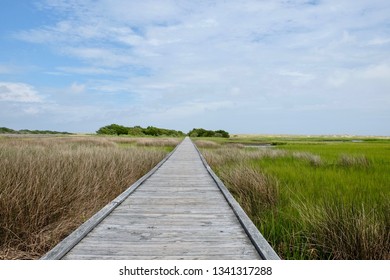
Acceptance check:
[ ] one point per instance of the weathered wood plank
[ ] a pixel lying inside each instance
(162, 250)
(223, 256)
(167, 237)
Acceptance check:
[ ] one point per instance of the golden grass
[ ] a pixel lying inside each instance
(206, 144)
(145, 141)
(252, 189)
(49, 186)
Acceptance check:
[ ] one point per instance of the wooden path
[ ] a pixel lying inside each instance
(179, 210)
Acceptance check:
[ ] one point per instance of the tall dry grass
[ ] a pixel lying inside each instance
(234, 154)
(168, 143)
(253, 189)
(49, 186)
(206, 144)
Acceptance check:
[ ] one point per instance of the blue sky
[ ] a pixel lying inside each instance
(266, 66)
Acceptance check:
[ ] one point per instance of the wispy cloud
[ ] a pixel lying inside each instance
(19, 92)
(5, 69)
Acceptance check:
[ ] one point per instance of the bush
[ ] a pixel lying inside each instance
(201, 132)
(115, 129)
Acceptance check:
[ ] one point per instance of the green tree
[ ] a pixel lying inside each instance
(201, 132)
(223, 133)
(6, 130)
(113, 129)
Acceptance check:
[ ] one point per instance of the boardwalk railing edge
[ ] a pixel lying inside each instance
(262, 246)
(64, 246)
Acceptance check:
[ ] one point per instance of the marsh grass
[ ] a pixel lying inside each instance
(339, 231)
(147, 141)
(49, 186)
(206, 144)
(354, 161)
(323, 200)
(314, 160)
(256, 191)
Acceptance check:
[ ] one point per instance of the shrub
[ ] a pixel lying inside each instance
(201, 132)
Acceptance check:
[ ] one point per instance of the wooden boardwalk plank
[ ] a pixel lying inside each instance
(178, 212)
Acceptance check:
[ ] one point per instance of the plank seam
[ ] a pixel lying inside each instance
(262, 246)
(63, 247)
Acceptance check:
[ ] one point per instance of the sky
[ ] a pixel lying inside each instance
(245, 66)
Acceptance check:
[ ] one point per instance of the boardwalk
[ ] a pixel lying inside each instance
(178, 212)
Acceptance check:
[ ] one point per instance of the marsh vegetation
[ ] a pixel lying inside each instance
(311, 198)
(50, 185)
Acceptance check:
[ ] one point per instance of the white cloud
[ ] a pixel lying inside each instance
(31, 110)
(77, 88)
(101, 56)
(378, 41)
(5, 69)
(371, 74)
(19, 92)
(297, 78)
(380, 71)
(189, 109)
(85, 70)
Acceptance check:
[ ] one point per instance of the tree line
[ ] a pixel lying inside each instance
(6, 130)
(201, 132)
(116, 129)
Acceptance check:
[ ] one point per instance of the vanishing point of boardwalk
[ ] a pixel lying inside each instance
(179, 210)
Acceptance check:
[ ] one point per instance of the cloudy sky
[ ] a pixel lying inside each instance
(246, 66)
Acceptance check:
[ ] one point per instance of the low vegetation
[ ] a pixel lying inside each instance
(49, 186)
(146, 142)
(115, 129)
(201, 132)
(312, 199)
(5, 130)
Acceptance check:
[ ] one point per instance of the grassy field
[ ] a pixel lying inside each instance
(50, 185)
(311, 197)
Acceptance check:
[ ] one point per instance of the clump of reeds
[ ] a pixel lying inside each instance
(314, 160)
(235, 145)
(48, 187)
(233, 155)
(158, 142)
(338, 231)
(253, 190)
(354, 161)
(148, 142)
(206, 144)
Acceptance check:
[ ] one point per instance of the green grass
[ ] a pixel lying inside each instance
(330, 198)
